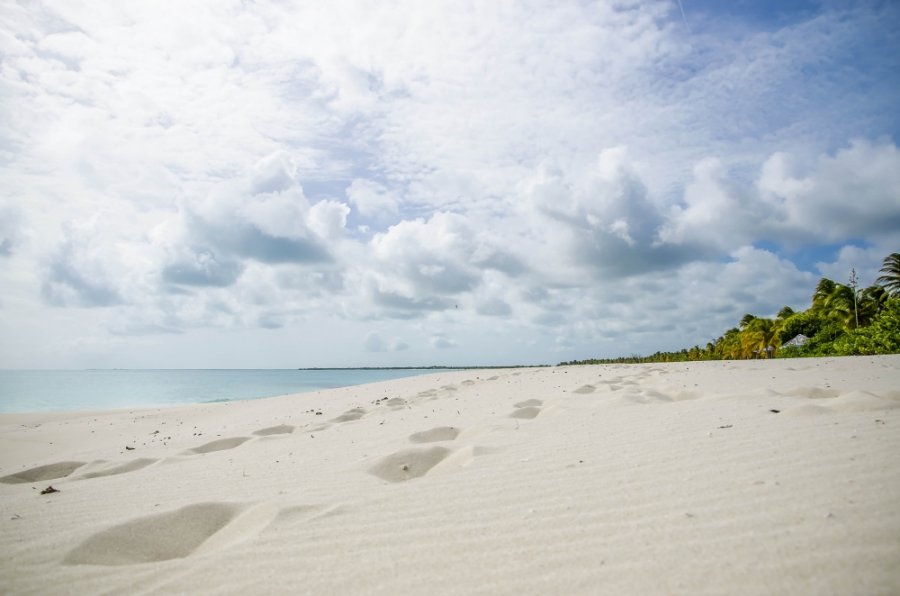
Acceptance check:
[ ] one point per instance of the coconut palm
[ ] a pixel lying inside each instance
(785, 313)
(870, 302)
(835, 301)
(746, 320)
(891, 278)
(841, 305)
(824, 289)
(759, 335)
(729, 345)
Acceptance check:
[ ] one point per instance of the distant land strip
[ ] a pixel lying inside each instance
(433, 367)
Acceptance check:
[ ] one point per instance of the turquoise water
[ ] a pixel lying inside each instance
(43, 390)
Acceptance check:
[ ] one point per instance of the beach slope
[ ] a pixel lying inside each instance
(755, 477)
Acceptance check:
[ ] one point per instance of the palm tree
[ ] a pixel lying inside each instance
(824, 289)
(785, 313)
(835, 301)
(729, 345)
(891, 278)
(871, 301)
(746, 320)
(841, 305)
(758, 336)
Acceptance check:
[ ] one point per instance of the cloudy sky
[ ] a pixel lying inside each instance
(240, 183)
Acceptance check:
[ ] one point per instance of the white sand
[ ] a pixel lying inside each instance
(651, 479)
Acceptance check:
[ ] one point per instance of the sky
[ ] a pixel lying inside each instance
(279, 184)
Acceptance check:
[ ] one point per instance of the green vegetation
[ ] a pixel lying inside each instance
(843, 320)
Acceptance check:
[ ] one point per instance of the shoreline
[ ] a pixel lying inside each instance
(745, 477)
(125, 389)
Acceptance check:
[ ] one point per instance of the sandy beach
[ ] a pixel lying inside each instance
(753, 477)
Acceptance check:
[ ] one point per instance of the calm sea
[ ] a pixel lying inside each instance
(36, 390)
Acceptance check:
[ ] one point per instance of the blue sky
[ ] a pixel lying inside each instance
(282, 184)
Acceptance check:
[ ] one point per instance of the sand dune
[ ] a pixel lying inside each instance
(778, 477)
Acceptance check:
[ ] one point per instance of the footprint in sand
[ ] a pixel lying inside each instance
(614, 383)
(528, 402)
(647, 396)
(160, 537)
(862, 401)
(813, 392)
(806, 410)
(295, 514)
(116, 469)
(585, 389)
(219, 445)
(281, 429)
(409, 463)
(528, 409)
(440, 433)
(197, 528)
(41, 473)
(525, 413)
(350, 415)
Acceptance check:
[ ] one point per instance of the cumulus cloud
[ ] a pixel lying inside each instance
(716, 213)
(398, 345)
(425, 265)
(493, 307)
(11, 233)
(273, 174)
(571, 179)
(395, 305)
(80, 272)
(267, 219)
(441, 342)
(674, 309)
(854, 193)
(197, 266)
(601, 220)
(374, 342)
(866, 261)
(430, 256)
(372, 199)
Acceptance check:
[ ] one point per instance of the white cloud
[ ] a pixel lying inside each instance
(328, 219)
(11, 229)
(853, 194)
(865, 261)
(82, 272)
(493, 306)
(372, 199)
(423, 264)
(267, 219)
(599, 222)
(561, 180)
(398, 345)
(374, 343)
(442, 343)
(716, 212)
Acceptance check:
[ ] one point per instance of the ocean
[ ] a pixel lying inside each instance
(59, 390)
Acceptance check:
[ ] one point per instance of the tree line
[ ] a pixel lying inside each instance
(842, 320)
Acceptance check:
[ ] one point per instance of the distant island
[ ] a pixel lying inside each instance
(432, 367)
